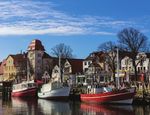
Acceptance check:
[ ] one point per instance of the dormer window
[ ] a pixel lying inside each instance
(92, 55)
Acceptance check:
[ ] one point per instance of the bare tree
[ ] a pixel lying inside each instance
(63, 50)
(132, 41)
(109, 48)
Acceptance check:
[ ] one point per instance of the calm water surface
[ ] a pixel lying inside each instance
(18, 106)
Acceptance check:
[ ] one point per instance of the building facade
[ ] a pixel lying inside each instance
(15, 67)
(35, 59)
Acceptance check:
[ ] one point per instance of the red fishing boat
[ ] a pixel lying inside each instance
(107, 95)
(26, 88)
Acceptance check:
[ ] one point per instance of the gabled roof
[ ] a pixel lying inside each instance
(2, 66)
(94, 55)
(77, 65)
(56, 61)
(148, 55)
(46, 55)
(94, 64)
(18, 57)
(36, 45)
(122, 54)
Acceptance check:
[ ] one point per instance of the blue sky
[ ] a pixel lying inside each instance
(81, 24)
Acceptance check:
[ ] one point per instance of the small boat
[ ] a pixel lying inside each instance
(107, 95)
(54, 90)
(23, 89)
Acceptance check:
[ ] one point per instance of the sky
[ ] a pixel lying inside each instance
(81, 24)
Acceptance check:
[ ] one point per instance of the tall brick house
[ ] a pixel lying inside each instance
(35, 59)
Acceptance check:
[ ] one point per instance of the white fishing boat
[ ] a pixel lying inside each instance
(55, 88)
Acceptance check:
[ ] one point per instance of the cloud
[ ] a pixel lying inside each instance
(30, 17)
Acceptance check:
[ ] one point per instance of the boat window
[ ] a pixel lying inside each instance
(107, 89)
(29, 85)
(24, 86)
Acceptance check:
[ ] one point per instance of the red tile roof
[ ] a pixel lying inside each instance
(19, 58)
(36, 45)
(96, 55)
(77, 65)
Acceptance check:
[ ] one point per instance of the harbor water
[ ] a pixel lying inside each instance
(30, 106)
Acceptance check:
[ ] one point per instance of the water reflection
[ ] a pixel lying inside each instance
(30, 106)
(96, 109)
(24, 106)
(54, 107)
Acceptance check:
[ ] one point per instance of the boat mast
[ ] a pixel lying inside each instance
(60, 67)
(28, 70)
(117, 80)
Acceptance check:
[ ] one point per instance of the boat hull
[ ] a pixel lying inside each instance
(25, 93)
(118, 97)
(56, 94)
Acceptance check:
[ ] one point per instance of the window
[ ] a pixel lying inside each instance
(101, 78)
(31, 54)
(123, 68)
(138, 69)
(85, 69)
(67, 69)
(6, 68)
(39, 61)
(144, 69)
(85, 63)
(141, 62)
(39, 55)
(55, 71)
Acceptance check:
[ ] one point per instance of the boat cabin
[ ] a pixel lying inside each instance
(97, 89)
